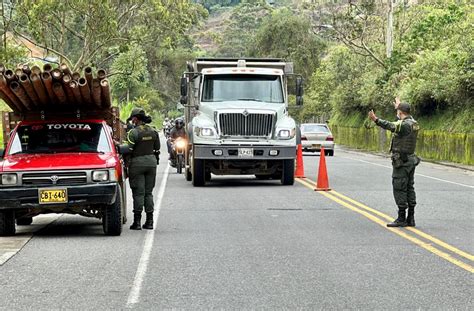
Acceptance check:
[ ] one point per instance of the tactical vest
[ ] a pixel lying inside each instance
(406, 144)
(145, 141)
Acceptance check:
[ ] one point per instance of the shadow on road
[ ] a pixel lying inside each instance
(74, 226)
(219, 182)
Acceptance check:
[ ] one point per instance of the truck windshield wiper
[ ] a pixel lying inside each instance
(251, 99)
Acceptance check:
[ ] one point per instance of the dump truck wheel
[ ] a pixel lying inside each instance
(199, 173)
(288, 174)
(112, 220)
(24, 221)
(7, 223)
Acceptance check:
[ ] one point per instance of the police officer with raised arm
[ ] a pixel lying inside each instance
(404, 161)
(144, 143)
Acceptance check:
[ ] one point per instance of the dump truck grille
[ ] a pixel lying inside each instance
(246, 124)
(52, 178)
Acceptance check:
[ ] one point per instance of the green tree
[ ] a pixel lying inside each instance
(238, 36)
(284, 34)
(129, 72)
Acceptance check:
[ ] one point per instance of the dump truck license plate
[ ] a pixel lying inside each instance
(245, 152)
(47, 196)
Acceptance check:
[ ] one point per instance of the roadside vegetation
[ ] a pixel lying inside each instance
(142, 44)
(341, 48)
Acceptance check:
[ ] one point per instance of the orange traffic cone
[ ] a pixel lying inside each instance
(323, 181)
(299, 173)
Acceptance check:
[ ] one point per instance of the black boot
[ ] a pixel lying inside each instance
(137, 217)
(400, 221)
(149, 221)
(411, 217)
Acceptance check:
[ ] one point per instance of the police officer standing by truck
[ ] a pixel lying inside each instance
(144, 143)
(404, 161)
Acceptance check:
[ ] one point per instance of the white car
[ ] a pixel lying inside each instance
(317, 135)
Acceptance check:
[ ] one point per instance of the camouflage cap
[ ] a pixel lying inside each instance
(404, 107)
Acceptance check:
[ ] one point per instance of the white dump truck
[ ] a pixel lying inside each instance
(236, 111)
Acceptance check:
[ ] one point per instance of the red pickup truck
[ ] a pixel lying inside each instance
(62, 164)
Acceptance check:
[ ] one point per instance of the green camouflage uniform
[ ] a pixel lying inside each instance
(144, 142)
(404, 160)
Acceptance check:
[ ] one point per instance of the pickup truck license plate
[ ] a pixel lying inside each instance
(246, 152)
(47, 196)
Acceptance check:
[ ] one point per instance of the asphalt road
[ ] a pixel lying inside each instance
(240, 243)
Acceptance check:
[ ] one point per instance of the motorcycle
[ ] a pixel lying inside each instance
(179, 147)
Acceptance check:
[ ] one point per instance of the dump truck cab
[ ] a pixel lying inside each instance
(238, 121)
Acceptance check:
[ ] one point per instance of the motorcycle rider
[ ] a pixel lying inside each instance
(177, 131)
(166, 126)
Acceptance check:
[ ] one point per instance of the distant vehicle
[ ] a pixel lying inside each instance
(317, 135)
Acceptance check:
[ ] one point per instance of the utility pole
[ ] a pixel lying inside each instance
(389, 39)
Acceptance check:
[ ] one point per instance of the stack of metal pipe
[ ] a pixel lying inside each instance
(26, 89)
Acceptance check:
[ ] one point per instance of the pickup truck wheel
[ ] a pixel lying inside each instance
(199, 173)
(7, 223)
(288, 174)
(24, 221)
(112, 220)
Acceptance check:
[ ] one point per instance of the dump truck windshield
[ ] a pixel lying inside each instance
(263, 88)
(60, 138)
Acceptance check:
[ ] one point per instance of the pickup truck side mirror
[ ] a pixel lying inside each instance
(184, 87)
(2, 153)
(123, 149)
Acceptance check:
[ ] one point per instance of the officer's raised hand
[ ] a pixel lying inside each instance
(372, 116)
(397, 102)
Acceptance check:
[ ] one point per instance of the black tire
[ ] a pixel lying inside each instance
(188, 175)
(199, 173)
(263, 177)
(179, 164)
(24, 221)
(112, 220)
(330, 153)
(288, 173)
(124, 205)
(7, 223)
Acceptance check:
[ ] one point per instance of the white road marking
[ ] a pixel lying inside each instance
(422, 175)
(10, 246)
(134, 294)
(5, 256)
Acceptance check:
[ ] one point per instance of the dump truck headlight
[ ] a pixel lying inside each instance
(286, 133)
(205, 131)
